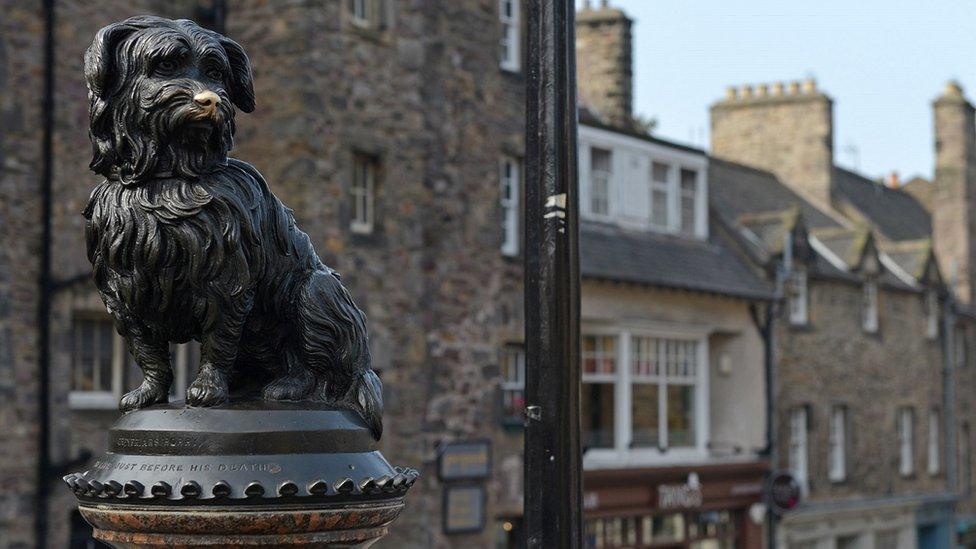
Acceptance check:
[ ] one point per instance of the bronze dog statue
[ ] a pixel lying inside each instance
(187, 243)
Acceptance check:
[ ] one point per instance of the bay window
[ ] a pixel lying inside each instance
(643, 395)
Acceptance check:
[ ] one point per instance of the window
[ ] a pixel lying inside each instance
(870, 304)
(598, 406)
(849, 542)
(931, 314)
(367, 14)
(965, 459)
(508, 14)
(664, 373)
(600, 172)
(961, 347)
(643, 394)
(363, 191)
(798, 445)
(659, 195)
(798, 296)
(886, 538)
(934, 460)
(102, 370)
(688, 201)
(513, 383)
(906, 441)
(837, 471)
(509, 178)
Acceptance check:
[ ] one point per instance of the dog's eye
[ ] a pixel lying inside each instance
(215, 74)
(165, 67)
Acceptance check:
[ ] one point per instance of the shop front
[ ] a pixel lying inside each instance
(709, 506)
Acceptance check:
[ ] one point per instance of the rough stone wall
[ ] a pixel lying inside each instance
(833, 362)
(21, 74)
(604, 63)
(785, 129)
(953, 224)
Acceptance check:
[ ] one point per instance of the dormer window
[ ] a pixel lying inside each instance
(870, 306)
(798, 298)
(931, 314)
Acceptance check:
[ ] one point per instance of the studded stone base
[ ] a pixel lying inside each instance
(149, 527)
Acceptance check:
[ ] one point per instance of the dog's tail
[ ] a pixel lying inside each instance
(365, 395)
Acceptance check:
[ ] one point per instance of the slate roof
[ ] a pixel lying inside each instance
(736, 190)
(895, 213)
(609, 252)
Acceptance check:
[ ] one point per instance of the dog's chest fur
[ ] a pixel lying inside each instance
(178, 252)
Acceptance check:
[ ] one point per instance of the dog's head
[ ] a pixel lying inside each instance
(162, 98)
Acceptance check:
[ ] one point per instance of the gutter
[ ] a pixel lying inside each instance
(44, 284)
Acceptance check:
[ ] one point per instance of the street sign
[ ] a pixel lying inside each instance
(783, 492)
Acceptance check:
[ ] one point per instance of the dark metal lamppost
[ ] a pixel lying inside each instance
(553, 512)
(276, 444)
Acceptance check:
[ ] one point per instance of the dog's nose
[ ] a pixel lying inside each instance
(207, 99)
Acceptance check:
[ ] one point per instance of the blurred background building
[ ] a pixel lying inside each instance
(394, 128)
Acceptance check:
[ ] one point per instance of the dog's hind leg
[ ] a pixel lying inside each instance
(153, 359)
(336, 348)
(296, 383)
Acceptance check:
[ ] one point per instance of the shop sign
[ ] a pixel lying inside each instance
(783, 492)
(679, 496)
(464, 509)
(468, 460)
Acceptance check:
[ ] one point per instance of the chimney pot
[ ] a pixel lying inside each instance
(762, 90)
(953, 88)
(809, 85)
(893, 181)
(746, 92)
(730, 93)
(778, 88)
(794, 88)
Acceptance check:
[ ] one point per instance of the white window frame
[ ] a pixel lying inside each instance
(799, 456)
(931, 314)
(661, 187)
(906, 441)
(510, 184)
(799, 296)
(627, 151)
(869, 320)
(837, 440)
(362, 190)
(513, 386)
(605, 179)
(510, 41)
(109, 400)
(622, 454)
(934, 457)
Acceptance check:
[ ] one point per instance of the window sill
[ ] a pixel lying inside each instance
(604, 458)
(804, 327)
(91, 400)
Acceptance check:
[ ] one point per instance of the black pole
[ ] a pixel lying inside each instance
(44, 285)
(553, 485)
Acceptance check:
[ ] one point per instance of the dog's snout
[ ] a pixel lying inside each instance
(207, 99)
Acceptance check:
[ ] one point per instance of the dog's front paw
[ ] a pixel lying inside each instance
(209, 388)
(146, 394)
(290, 387)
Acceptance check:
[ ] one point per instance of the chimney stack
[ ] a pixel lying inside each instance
(604, 61)
(784, 128)
(892, 181)
(954, 197)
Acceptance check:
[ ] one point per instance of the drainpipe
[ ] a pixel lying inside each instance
(44, 284)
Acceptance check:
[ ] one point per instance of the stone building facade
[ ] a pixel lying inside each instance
(872, 372)
(410, 93)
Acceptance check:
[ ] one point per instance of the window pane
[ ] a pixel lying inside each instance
(688, 197)
(659, 172)
(644, 363)
(599, 355)
(681, 415)
(597, 415)
(644, 415)
(84, 355)
(600, 163)
(105, 331)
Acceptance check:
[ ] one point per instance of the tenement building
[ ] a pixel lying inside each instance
(873, 378)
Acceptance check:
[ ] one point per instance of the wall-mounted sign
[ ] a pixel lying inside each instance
(783, 492)
(466, 460)
(679, 496)
(464, 509)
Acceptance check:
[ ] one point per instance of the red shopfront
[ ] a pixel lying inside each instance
(695, 507)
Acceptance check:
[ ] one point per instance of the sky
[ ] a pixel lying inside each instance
(882, 61)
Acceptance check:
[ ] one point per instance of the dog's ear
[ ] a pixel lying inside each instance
(240, 82)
